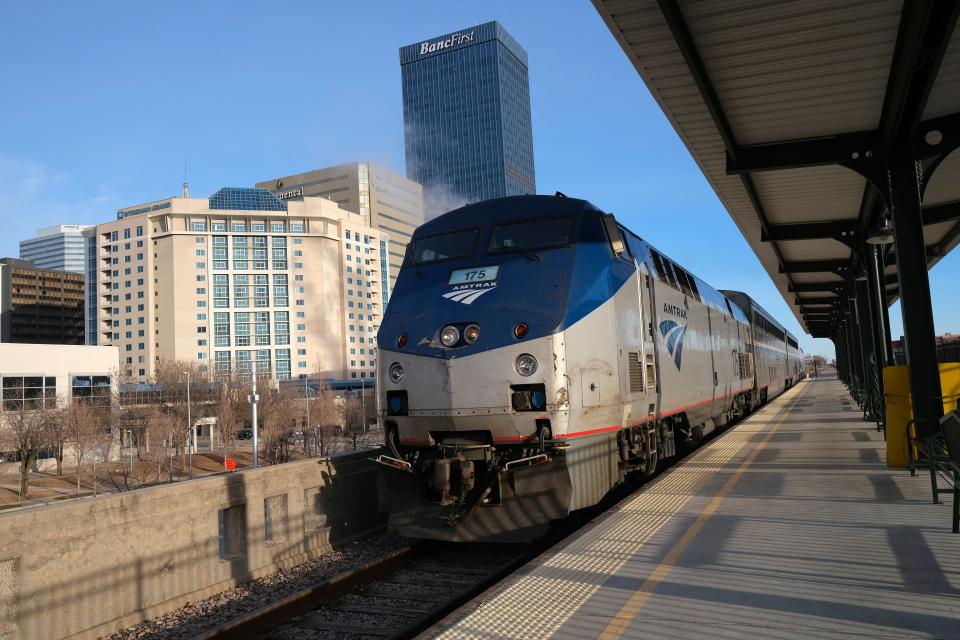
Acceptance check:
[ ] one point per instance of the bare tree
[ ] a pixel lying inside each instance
(26, 431)
(162, 432)
(321, 432)
(81, 427)
(278, 416)
(186, 390)
(353, 422)
(229, 407)
(56, 437)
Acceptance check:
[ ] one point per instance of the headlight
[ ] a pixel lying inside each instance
(396, 372)
(526, 364)
(471, 333)
(450, 335)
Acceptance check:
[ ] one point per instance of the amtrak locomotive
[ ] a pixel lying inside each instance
(534, 351)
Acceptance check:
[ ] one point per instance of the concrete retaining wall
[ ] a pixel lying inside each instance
(87, 567)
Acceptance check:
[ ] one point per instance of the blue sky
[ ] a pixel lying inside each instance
(105, 101)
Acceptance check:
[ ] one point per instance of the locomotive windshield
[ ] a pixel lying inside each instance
(447, 246)
(535, 234)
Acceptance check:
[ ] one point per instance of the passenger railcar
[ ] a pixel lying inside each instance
(534, 351)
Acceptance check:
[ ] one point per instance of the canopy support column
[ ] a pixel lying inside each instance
(918, 329)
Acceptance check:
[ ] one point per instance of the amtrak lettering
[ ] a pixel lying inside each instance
(453, 41)
(674, 310)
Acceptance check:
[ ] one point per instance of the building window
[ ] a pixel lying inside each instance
(200, 240)
(218, 226)
(281, 327)
(29, 392)
(198, 225)
(239, 227)
(93, 389)
(221, 329)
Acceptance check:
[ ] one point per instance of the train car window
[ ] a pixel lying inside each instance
(530, 235)
(671, 276)
(658, 264)
(446, 246)
(682, 280)
(696, 292)
(627, 251)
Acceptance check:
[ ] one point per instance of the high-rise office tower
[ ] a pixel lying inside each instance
(466, 115)
(235, 278)
(39, 306)
(385, 200)
(59, 247)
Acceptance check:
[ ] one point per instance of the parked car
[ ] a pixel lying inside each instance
(245, 434)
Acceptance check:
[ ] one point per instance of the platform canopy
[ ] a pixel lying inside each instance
(788, 108)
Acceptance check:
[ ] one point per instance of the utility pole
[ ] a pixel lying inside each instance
(189, 430)
(363, 403)
(253, 398)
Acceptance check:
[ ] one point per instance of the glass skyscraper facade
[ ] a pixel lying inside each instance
(466, 111)
(59, 247)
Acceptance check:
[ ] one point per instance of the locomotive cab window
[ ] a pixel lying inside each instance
(447, 246)
(658, 264)
(531, 235)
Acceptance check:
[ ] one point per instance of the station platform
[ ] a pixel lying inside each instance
(788, 525)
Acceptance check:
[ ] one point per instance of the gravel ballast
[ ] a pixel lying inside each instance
(197, 617)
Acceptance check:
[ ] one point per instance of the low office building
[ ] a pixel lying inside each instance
(387, 201)
(238, 278)
(59, 248)
(40, 306)
(34, 376)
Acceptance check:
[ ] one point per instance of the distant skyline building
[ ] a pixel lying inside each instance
(59, 247)
(387, 201)
(40, 306)
(466, 114)
(236, 278)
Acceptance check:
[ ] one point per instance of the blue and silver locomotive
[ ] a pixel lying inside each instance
(534, 351)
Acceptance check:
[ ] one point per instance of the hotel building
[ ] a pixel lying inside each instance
(237, 278)
(386, 201)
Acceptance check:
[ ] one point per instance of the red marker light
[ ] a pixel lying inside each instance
(521, 330)
(402, 340)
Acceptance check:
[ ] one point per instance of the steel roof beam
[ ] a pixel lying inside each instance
(821, 300)
(810, 152)
(815, 287)
(808, 230)
(813, 266)
(932, 214)
(945, 212)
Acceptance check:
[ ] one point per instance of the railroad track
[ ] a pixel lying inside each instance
(396, 597)
(409, 590)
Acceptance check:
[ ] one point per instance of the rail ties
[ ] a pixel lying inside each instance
(394, 599)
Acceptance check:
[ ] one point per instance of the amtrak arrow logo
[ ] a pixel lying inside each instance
(466, 296)
(672, 333)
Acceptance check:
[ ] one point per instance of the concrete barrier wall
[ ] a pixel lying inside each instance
(87, 567)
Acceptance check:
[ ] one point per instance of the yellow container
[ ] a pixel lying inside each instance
(896, 386)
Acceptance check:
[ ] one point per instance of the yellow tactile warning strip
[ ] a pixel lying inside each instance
(540, 599)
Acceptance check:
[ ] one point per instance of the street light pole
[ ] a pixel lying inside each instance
(252, 399)
(363, 403)
(190, 430)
